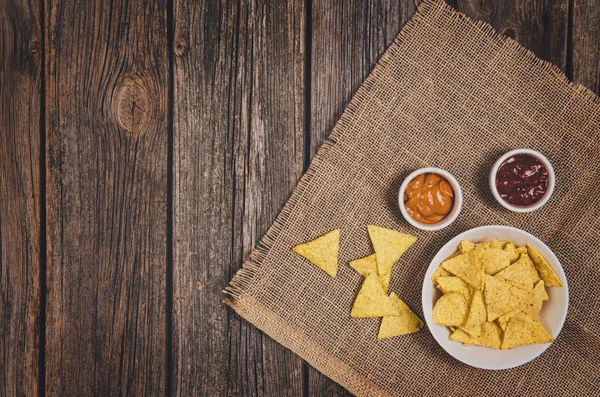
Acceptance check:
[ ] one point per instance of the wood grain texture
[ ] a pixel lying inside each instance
(347, 40)
(20, 82)
(540, 26)
(586, 43)
(238, 154)
(107, 140)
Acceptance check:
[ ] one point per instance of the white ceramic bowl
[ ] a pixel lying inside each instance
(536, 205)
(552, 316)
(458, 199)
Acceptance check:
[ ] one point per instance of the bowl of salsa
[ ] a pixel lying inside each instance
(430, 198)
(522, 180)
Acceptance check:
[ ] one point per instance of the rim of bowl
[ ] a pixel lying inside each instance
(427, 310)
(458, 199)
(551, 180)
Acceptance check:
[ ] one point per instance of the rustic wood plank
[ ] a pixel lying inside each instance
(586, 43)
(20, 96)
(347, 40)
(539, 26)
(238, 153)
(107, 141)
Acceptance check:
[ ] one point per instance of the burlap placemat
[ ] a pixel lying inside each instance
(450, 93)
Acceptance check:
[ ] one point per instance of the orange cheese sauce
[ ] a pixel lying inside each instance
(428, 198)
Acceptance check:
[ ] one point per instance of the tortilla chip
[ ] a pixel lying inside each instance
(490, 336)
(521, 330)
(463, 267)
(521, 273)
(462, 336)
(451, 310)
(440, 272)
(503, 319)
(543, 267)
(451, 284)
(512, 252)
(521, 249)
(322, 252)
(502, 297)
(494, 260)
(372, 301)
(365, 266)
(389, 246)
(474, 332)
(465, 245)
(495, 244)
(477, 312)
(385, 281)
(406, 323)
(533, 307)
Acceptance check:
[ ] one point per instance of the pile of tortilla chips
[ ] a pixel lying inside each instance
(372, 299)
(493, 294)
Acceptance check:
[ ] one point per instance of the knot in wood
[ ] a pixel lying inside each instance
(132, 104)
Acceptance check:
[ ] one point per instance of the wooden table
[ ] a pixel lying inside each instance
(146, 146)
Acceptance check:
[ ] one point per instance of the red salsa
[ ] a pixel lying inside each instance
(522, 180)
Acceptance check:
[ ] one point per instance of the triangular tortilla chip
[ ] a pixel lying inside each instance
(473, 331)
(521, 273)
(372, 301)
(503, 319)
(521, 330)
(322, 251)
(477, 312)
(543, 267)
(440, 272)
(521, 249)
(490, 336)
(365, 266)
(451, 310)
(385, 281)
(494, 260)
(464, 268)
(533, 306)
(465, 245)
(451, 284)
(495, 243)
(502, 297)
(512, 252)
(389, 246)
(407, 322)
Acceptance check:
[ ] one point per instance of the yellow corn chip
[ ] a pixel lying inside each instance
(372, 301)
(451, 310)
(463, 267)
(473, 331)
(503, 319)
(407, 322)
(465, 245)
(490, 336)
(512, 252)
(495, 244)
(365, 266)
(389, 245)
(521, 249)
(502, 297)
(494, 260)
(451, 284)
(477, 312)
(322, 251)
(440, 272)
(385, 281)
(533, 306)
(521, 330)
(543, 267)
(521, 273)
(459, 335)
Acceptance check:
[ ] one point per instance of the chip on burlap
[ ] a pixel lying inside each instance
(449, 93)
